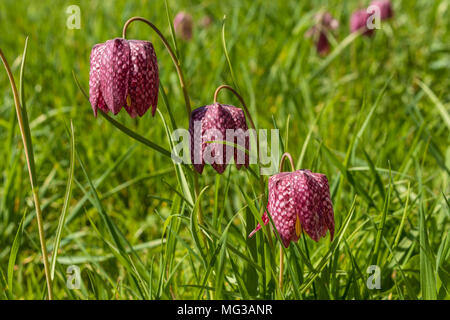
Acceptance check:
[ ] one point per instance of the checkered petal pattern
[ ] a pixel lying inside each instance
(301, 195)
(124, 73)
(213, 122)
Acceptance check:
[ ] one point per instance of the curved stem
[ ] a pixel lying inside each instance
(283, 158)
(252, 124)
(30, 165)
(225, 86)
(176, 62)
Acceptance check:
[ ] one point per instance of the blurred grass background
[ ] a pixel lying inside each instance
(285, 83)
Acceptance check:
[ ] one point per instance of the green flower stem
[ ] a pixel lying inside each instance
(283, 158)
(30, 164)
(176, 62)
(249, 116)
(252, 124)
(177, 65)
(225, 86)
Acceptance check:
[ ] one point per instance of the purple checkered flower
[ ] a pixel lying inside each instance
(358, 21)
(385, 7)
(124, 73)
(299, 200)
(222, 123)
(324, 23)
(183, 25)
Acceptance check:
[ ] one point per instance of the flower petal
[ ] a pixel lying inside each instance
(143, 78)
(95, 95)
(114, 73)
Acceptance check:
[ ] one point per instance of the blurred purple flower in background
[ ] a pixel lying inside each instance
(358, 22)
(206, 21)
(385, 7)
(123, 73)
(299, 200)
(324, 24)
(183, 25)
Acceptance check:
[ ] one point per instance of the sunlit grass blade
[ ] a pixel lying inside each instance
(225, 50)
(308, 138)
(172, 31)
(29, 155)
(381, 225)
(336, 52)
(197, 235)
(427, 275)
(221, 245)
(334, 245)
(180, 170)
(13, 254)
(441, 108)
(402, 222)
(65, 208)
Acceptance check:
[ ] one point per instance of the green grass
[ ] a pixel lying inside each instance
(373, 116)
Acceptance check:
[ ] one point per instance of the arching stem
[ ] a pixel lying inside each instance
(30, 166)
(283, 158)
(252, 124)
(225, 86)
(176, 62)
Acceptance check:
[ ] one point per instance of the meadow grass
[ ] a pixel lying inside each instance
(373, 116)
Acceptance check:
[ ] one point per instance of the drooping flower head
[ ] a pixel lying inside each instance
(299, 200)
(182, 24)
(358, 21)
(324, 23)
(206, 21)
(225, 124)
(124, 73)
(385, 7)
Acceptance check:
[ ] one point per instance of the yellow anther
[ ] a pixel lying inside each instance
(298, 227)
(128, 100)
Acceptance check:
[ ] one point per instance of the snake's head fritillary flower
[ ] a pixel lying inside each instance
(358, 21)
(324, 23)
(385, 7)
(299, 200)
(182, 24)
(225, 124)
(326, 20)
(124, 73)
(206, 21)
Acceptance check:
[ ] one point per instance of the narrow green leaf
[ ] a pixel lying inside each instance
(65, 208)
(441, 108)
(14, 251)
(124, 129)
